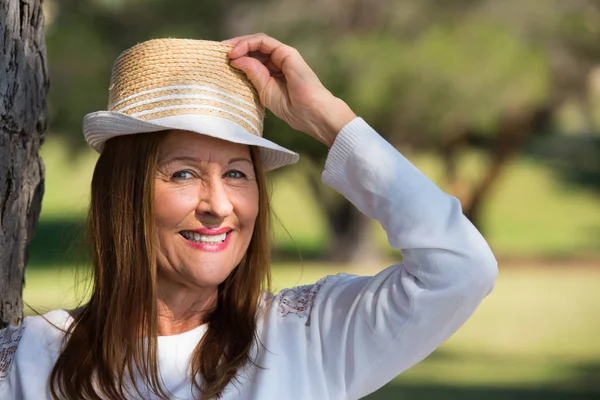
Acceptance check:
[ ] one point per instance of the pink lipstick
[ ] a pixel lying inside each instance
(207, 239)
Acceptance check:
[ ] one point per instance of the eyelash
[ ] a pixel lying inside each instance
(241, 175)
(178, 178)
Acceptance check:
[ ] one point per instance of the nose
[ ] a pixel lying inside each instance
(214, 199)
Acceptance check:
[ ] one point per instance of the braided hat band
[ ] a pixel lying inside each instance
(183, 84)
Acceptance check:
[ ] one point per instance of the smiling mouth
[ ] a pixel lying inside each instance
(207, 239)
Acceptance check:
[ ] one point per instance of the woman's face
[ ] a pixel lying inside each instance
(205, 207)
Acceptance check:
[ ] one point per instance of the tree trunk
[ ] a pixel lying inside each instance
(352, 241)
(23, 88)
(514, 129)
(351, 231)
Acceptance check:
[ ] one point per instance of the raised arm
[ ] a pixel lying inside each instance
(364, 331)
(374, 328)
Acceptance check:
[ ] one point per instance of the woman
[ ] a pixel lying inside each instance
(179, 221)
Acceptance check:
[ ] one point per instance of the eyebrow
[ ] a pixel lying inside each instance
(197, 160)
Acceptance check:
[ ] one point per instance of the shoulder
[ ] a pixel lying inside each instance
(9, 341)
(58, 317)
(298, 302)
(36, 339)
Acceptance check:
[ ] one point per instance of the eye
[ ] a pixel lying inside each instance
(182, 175)
(234, 174)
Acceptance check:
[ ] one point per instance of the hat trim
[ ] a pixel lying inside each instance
(100, 126)
(189, 96)
(181, 87)
(192, 107)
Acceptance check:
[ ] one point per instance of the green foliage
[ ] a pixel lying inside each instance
(416, 88)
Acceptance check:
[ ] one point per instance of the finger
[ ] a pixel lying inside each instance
(278, 75)
(285, 58)
(277, 52)
(256, 72)
(271, 67)
(263, 58)
(293, 66)
(235, 40)
(259, 42)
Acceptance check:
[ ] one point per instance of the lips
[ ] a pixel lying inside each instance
(207, 239)
(199, 238)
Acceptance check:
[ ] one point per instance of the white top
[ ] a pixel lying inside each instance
(345, 336)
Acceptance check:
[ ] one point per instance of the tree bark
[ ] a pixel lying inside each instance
(23, 86)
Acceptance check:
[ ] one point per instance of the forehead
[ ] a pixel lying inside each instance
(185, 143)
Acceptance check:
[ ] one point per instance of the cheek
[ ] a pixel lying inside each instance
(173, 205)
(246, 205)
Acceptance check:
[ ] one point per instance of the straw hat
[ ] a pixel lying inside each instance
(183, 84)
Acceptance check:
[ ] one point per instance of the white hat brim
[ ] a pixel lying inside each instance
(100, 126)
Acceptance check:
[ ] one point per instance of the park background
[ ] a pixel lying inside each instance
(496, 101)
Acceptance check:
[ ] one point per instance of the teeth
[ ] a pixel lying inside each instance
(198, 238)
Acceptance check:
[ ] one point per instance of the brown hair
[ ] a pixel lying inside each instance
(115, 334)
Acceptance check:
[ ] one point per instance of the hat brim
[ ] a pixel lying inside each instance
(100, 126)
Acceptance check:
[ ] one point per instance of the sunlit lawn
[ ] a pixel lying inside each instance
(538, 329)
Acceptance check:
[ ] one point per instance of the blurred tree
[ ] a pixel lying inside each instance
(443, 76)
(23, 89)
(430, 76)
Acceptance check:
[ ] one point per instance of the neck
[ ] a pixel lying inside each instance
(183, 310)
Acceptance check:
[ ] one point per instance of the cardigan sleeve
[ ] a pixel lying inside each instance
(364, 331)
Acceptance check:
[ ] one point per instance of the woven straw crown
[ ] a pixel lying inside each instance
(181, 76)
(183, 84)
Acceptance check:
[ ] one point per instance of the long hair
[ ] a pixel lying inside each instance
(113, 338)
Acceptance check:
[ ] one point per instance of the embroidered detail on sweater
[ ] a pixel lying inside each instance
(299, 300)
(9, 341)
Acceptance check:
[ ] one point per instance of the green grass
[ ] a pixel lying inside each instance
(537, 330)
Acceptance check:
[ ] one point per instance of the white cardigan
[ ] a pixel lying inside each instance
(345, 336)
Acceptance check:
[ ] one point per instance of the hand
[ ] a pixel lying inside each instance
(288, 87)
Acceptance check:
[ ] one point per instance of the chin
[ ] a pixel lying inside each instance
(211, 274)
